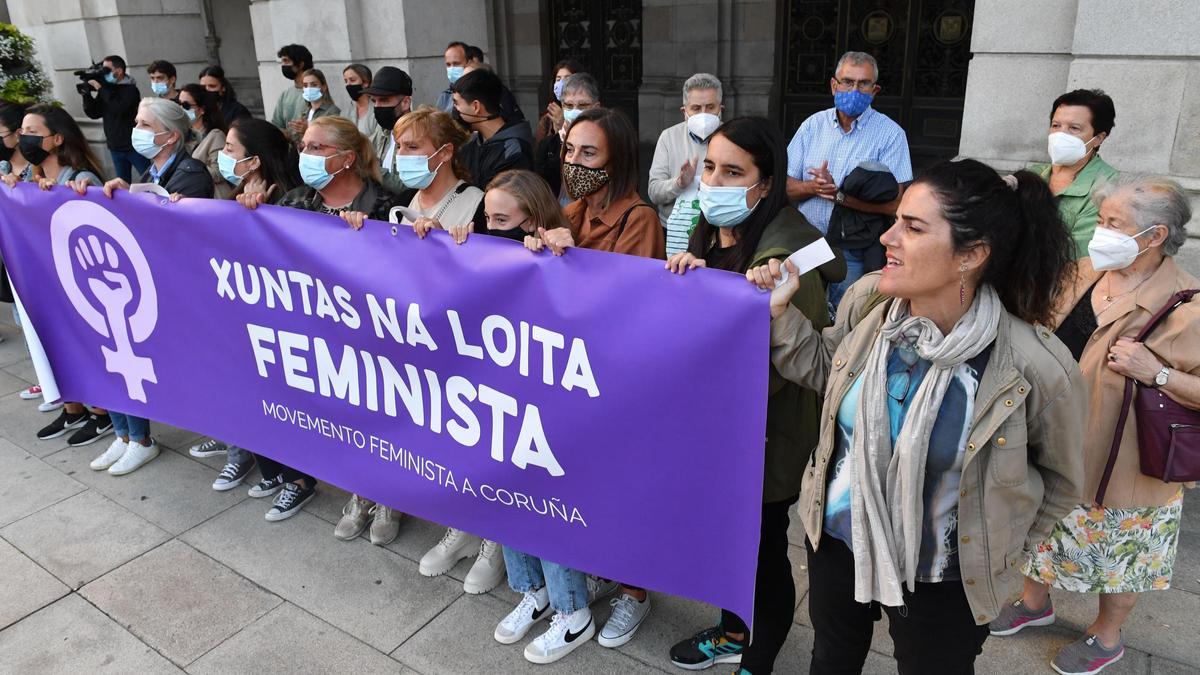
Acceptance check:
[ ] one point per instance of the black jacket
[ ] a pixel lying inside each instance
(117, 105)
(510, 148)
(850, 229)
(187, 176)
(546, 161)
(232, 110)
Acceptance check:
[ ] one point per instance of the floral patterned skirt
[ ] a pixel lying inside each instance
(1099, 550)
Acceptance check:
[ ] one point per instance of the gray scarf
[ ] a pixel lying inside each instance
(886, 491)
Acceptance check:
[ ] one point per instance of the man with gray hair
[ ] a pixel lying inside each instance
(832, 143)
(674, 174)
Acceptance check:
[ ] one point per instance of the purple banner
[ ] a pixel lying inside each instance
(593, 409)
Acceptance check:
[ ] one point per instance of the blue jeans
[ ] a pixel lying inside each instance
(125, 161)
(855, 268)
(567, 587)
(136, 428)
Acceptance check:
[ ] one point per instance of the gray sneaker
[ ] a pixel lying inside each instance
(209, 448)
(1016, 616)
(355, 516)
(1086, 656)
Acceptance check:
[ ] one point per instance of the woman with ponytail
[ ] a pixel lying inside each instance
(953, 421)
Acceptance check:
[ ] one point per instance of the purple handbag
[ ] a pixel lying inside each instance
(1168, 433)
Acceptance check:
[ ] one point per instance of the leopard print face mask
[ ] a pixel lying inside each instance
(583, 180)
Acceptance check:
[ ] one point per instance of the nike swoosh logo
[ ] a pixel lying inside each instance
(571, 637)
(539, 613)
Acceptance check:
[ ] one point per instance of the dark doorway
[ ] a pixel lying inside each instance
(923, 48)
(606, 37)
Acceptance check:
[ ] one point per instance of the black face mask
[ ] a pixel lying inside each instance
(354, 91)
(288, 71)
(31, 149)
(6, 153)
(516, 233)
(468, 124)
(386, 117)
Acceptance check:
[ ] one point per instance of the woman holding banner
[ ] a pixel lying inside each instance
(745, 221)
(256, 163)
(983, 453)
(53, 145)
(160, 135)
(341, 177)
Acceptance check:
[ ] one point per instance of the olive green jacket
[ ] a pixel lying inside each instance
(793, 412)
(1075, 203)
(1023, 467)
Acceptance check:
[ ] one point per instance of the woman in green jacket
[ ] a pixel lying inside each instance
(745, 221)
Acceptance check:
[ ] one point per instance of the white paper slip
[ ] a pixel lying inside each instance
(152, 188)
(808, 258)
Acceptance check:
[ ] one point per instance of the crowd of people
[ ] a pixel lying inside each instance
(930, 387)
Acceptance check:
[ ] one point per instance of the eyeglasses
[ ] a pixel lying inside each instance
(861, 85)
(186, 106)
(319, 148)
(899, 383)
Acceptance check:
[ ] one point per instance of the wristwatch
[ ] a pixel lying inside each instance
(1160, 380)
(840, 197)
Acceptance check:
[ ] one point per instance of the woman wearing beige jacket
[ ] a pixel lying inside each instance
(952, 428)
(208, 127)
(1127, 544)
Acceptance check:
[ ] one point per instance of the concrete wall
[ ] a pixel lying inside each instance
(1144, 55)
(408, 34)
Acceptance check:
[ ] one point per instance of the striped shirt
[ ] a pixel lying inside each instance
(873, 137)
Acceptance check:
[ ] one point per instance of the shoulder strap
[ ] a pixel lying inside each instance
(625, 216)
(1175, 301)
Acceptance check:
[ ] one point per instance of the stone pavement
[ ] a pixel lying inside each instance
(155, 572)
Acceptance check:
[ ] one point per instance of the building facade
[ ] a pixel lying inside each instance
(969, 77)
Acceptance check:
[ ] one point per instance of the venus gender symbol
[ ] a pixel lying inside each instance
(108, 282)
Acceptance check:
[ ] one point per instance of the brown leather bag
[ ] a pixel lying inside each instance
(1168, 433)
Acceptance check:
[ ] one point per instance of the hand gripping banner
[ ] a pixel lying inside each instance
(594, 409)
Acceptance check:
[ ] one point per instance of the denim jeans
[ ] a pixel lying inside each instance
(136, 428)
(855, 269)
(567, 587)
(125, 161)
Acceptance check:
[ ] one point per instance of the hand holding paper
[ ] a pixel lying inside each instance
(807, 259)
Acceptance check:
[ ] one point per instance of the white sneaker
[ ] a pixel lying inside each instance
(534, 607)
(627, 615)
(46, 406)
(488, 570)
(110, 456)
(454, 546)
(135, 456)
(566, 633)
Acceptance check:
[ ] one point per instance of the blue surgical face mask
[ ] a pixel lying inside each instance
(313, 173)
(558, 89)
(570, 115)
(852, 103)
(414, 170)
(226, 164)
(191, 113)
(143, 142)
(312, 94)
(159, 88)
(725, 206)
(453, 73)
(110, 78)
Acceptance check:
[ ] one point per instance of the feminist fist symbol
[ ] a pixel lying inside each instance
(125, 323)
(136, 369)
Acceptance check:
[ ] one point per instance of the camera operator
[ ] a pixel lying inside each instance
(115, 100)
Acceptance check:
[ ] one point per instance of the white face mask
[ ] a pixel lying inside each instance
(702, 125)
(1066, 149)
(1112, 250)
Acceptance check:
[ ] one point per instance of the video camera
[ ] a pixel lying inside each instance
(95, 73)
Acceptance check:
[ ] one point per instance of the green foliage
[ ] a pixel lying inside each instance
(21, 76)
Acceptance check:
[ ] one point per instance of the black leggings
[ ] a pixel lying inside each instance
(774, 593)
(935, 631)
(270, 468)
